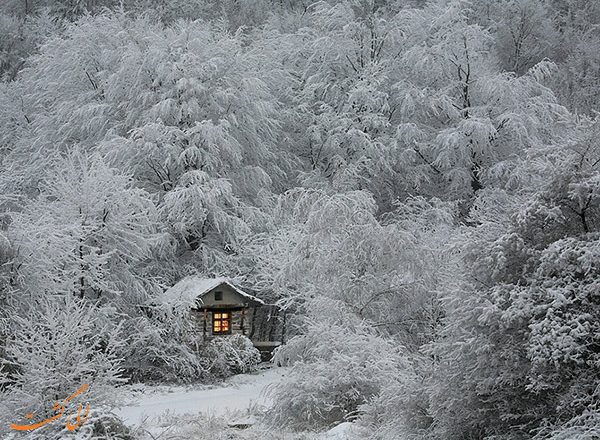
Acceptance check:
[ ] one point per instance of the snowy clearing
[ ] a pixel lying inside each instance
(235, 395)
(199, 411)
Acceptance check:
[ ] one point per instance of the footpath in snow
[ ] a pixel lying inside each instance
(236, 394)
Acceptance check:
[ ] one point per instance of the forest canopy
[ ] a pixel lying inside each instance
(416, 183)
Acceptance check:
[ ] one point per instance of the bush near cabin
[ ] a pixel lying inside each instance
(229, 355)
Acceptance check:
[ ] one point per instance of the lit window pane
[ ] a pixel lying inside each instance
(221, 322)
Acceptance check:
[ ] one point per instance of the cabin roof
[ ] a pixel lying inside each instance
(190, 288)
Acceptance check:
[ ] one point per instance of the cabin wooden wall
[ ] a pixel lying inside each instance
(198, 318)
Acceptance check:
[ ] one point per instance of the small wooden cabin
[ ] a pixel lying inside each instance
(217, 306)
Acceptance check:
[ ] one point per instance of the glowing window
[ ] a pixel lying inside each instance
(221, 323)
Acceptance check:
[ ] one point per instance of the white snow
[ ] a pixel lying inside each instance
(237, 394)
(339, 432)
(177, 412)
(190, 288)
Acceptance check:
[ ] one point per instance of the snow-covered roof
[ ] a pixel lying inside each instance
(193, 287)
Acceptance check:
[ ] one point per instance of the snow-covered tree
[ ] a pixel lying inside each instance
(461, 120)
(519, 344)
(85, 234)
(57, 345)
(523, 30)
(363, 285)
(90, 234)
(403, 178)
(340, 98)
(350, 365)
(188, 111)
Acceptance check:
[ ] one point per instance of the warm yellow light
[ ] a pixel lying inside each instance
(221, 322)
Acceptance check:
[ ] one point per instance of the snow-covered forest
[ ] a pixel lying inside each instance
(415, 184)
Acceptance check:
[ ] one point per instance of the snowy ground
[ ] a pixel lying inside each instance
(238, 394)
(198, 412)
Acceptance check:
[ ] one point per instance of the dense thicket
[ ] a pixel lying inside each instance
(417, 182)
